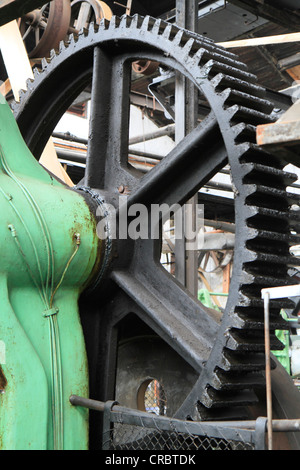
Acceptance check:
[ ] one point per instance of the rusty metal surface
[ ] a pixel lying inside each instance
(228, 357)
(89, 11)
(39, 300)
(50, 30)
(283, 136)
(279, 133)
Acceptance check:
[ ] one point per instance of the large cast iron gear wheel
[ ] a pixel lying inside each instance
(226, 353)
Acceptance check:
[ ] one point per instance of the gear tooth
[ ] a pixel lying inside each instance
(147, 23)
(246, 99)
(228, 61)
(125, 21)
(21, 93)
(44, 63)
(178, 39)
(36, 72)
(198, 55)
(169, 31)
(61, 46)
(216, 67)
(114, 22)
(72, 37)
(84, 31)
(29, 82)
(225, 95)
(137, 21)
(66, 42)
(75, 36)
(91, 28)
(52, 54)
(104, 23)
(188, 47)
(157, 27)
(244, 133)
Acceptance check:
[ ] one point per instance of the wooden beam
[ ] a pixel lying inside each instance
(15, 57)
(50, 161)
(264, 41)
(5, 88)
(226, 278)
(294, 72)
(19, 69)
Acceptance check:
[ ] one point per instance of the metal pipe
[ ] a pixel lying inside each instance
(220, 186)
(226, 226)
(87, 403)
(72, 138)
(268, 368)
(164, 131)
(289, 62)
(139, 153)
(278, 425)
(69, 137)
(80, 157)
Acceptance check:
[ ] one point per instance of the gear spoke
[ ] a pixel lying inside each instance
(168, 320)
(185, 169)
(109, 123)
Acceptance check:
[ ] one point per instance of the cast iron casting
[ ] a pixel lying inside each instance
(224, 353)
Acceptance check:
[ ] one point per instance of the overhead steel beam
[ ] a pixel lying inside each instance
(13, 9)
(289, 20)
(289, 62)
(291, 4)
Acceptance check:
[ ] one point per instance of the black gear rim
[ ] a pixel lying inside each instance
(228, 355)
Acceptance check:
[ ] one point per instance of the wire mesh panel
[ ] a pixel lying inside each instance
(135, 430)
(130, 429)
(126, 437)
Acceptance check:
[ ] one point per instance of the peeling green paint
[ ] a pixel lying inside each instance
(41, 256)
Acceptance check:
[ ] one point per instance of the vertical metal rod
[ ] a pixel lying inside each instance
(186, 267)
(268, 369)
(127, 6)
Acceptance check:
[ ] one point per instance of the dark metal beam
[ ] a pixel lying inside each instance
(289, 20)
(13, 9)
(290, 4)
(272, 62)
(288, 62)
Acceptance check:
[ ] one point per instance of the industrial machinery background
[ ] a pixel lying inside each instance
(43, 29)
(136, 313)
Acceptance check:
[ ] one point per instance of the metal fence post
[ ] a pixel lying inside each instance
(106, 430)
(260, 433)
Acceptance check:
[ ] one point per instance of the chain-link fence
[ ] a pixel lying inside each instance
(134, 430)
(128, 437)
(128, 429)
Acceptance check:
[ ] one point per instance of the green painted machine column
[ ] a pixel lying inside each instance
(48, 252)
